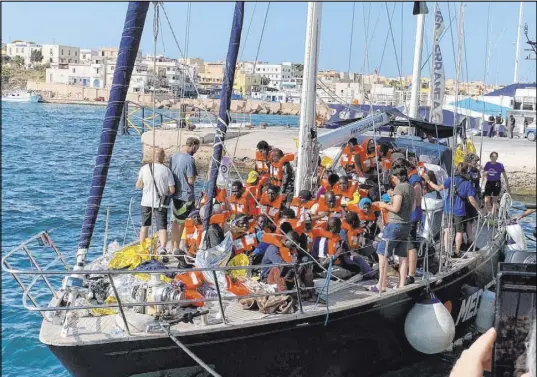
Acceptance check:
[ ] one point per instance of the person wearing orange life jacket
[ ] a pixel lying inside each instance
(244, 240)
(352, 233)
(254, 184)
(282, 173)
(272, 202)
(366, 212)
(302, 203)
(220, 197)
(282, 249)
(345, 190)
(241, 201)
(367, 158)
(349, 155)
(327, 206)
(327, 184)
(194, 232)
(263, 158)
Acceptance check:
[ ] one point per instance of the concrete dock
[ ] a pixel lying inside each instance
(517, 155)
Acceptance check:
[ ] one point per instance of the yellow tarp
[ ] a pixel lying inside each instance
(460, 154)
(105, 311)
(238, 260)
(132, 256)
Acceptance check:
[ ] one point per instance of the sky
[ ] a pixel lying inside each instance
(94, 25)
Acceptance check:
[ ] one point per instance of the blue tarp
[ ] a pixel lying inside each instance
(509, 90)
(480, 106)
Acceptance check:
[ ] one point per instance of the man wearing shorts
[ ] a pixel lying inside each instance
(152, 174)
(395, 234)
(183, 167)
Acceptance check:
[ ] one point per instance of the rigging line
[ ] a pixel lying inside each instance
(366, 31)
(248, 32)
(259, 44)
(485, 82)
(401, 50)
(394, 47)
(386, 40)
(350, 51)
(155, 41)
(204, 109)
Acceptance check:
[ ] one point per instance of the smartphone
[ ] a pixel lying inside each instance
(515, 313)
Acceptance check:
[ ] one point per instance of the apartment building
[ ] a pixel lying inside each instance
(247, 83)
(212, 76)
(277, 74)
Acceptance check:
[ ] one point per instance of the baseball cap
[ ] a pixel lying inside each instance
(252, 176)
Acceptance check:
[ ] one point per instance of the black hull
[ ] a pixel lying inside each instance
(364, 341)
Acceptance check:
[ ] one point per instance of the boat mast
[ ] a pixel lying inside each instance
(128, 49)
(517, 52)
(225, 103)
(421, 11)
(307, 158)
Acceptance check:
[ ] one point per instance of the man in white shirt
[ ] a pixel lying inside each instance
(154, 205)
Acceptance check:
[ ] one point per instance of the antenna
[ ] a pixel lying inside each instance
(531, 43)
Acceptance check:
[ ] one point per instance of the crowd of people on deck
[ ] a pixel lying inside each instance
(377, 190)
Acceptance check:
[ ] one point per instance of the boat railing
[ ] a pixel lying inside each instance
(22, 263)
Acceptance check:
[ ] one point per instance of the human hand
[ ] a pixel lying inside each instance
(477, 358)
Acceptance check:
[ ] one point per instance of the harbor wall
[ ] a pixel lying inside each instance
(63, 93)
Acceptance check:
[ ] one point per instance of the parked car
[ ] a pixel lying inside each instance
(530, 133)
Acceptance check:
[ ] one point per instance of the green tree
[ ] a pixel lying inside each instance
(36, 56)
(18, 61)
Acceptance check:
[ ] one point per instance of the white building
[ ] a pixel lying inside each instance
(52, 54)
(87, 55)
(276, 73)
(88, 74)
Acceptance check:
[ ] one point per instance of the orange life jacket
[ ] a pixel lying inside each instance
(236, 287)
(323, 207)
(387, 164)
(245, 243)
(297, 224)
(220, 197)
(353, 235)
(368, 161)
(262, 166)
(243, 205)
(271, 209)
(276, 240)
(361, 214)
(298, 207)
(191, 280)
(276, 169)
(334, 240)
(254, 190)
(347, 156)
(347, 195)
(193, 236)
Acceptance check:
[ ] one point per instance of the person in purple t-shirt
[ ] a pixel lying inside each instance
(492, 173)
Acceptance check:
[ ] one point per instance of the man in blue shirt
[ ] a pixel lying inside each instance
(462, 191)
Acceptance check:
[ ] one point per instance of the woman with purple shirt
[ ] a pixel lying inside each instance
(492, 173)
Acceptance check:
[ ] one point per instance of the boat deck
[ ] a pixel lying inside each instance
(343, 295)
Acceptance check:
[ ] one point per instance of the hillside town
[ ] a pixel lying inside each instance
(194, 77)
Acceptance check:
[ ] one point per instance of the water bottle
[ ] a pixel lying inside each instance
(485, 312)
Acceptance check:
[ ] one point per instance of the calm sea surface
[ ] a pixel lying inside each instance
(48, 153)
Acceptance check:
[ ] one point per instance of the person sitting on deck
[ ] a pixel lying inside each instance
(281, 249)
(244, 237)
(345, 190)
(327, 206)
(217, 223)
(272, 202)
(282, 173)
(254, 184)
(193, 232)
(241, 201)
(350, 155)
(263, 158)
(327, 184)
(302, 203)
(368, 218)
(367, 158)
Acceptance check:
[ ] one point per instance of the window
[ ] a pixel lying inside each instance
(50, 60)
(69, 52)
(112, 67)
(62, 51)
(74, 70)
(69, 61)
(76, 61)
(50, 51)
(97, 70)
(76, 53)
(74, 81)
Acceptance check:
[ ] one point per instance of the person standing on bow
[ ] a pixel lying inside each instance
(183, 167)
(492, 173)
(395, 235)
(282, 173)
(157, 183)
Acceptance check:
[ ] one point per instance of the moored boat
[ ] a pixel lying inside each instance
(21, 96)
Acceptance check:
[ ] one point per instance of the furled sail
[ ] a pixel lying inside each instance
(128, 49)
(439, 79)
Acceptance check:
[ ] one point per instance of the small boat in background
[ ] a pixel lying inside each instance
(21, 96)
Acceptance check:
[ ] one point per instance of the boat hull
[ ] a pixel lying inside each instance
(30, 98)
(365, 340)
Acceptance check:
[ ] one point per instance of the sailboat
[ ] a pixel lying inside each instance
(354, 332)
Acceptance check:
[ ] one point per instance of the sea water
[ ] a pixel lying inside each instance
(48, 155)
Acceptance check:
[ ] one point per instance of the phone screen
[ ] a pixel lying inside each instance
(515, 313)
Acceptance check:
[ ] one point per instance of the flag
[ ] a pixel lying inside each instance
(439, 79)
(420, 7)
(223, 173)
